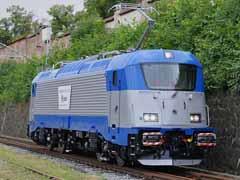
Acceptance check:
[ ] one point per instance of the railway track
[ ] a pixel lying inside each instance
(181, 173)
(40, 173)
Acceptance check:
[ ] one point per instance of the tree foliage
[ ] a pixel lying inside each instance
(209, 29)
(15, 81)
(62, 18)
(19, 23)
(5, 34)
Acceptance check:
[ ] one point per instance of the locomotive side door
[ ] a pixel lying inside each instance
(114, 121)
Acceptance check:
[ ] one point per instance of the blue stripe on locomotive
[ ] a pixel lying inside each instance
(130, 77)
(99, 124)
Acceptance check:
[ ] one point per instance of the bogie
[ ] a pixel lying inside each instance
(65, 141)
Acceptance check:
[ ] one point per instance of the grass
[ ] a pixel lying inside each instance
(10, 171)
(12, 165)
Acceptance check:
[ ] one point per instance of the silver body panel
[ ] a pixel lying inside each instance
(114, 108)
(173, 108)
(88, 96)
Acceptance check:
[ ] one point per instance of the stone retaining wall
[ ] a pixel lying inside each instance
(225, 117)
(13, 119)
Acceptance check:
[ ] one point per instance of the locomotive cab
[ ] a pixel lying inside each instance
(163, 100)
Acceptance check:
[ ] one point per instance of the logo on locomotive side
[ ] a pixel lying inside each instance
(64, 97)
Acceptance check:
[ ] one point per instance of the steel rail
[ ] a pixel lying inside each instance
(181, 173)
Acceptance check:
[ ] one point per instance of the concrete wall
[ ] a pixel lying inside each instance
(62, 41)
(126, 18)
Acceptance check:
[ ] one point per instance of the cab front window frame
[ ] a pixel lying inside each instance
(186, 74)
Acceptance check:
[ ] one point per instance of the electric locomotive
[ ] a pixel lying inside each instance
(145, 106)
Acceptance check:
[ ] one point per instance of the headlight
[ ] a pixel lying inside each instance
(195, 118)
(150, 117)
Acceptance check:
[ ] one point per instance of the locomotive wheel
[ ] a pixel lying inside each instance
(120, 157)
(120, 162)
(50, 146)
(61, 147)
(35, 137)
(99, 155)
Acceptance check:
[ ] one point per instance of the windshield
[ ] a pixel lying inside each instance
(170, 76)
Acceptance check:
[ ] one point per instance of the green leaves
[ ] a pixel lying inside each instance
(87, 24)
(15, 81)
(62, 18)
(209, 29)
(5, 33)
(19, 23)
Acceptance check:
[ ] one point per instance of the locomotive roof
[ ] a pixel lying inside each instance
(119, 62)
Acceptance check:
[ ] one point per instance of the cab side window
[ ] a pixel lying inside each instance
(34, 86)
(115, 78)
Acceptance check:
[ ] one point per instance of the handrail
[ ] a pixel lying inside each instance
(208, 115)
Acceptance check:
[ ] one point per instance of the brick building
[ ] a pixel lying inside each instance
(126, 17)
(30, 46)
(35, 45)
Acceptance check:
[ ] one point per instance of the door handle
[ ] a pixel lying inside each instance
(116, 108)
